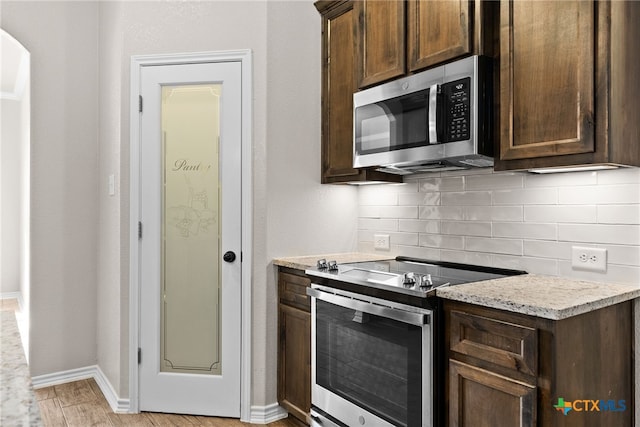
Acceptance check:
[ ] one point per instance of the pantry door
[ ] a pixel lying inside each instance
(190, 238)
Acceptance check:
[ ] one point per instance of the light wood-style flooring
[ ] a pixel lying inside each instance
(81, 404)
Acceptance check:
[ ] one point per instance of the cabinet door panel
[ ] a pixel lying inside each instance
(294, 361)
(547, 78)
(437, 31)
(480, 398)
(338, 155)
(380, 41)
(501, 343)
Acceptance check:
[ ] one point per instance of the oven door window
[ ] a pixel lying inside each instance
(371, 361)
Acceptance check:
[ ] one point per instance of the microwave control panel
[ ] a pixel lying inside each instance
(457, 96)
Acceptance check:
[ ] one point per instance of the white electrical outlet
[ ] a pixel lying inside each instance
(381, 241)
(590, 259)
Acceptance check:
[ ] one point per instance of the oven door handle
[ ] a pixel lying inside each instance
(417, 319)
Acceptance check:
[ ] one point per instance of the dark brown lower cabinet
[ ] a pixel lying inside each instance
(294, 344)
(479, 397)
(509, 369)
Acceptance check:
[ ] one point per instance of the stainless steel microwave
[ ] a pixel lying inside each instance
(438, 119)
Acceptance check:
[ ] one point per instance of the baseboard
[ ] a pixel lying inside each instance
(118, 405)
(259, 414)
(267, 414)
(63, 377)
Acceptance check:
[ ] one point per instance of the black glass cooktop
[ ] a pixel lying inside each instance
(410, 275)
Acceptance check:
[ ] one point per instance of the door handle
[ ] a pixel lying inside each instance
(433, 114)
(229, 256)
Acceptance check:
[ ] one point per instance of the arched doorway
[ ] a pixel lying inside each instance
(15, 120)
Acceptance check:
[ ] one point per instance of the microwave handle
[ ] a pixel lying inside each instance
(417, 319)
(433, 114)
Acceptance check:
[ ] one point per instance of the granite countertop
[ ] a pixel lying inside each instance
(18, 404)
(305, 262)
(548, 297)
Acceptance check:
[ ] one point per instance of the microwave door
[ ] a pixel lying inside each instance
(376, 128)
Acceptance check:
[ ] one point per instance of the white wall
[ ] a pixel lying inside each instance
(10, 140)
(62, 40)
(302, 216)
(286, 64)
(81, 55)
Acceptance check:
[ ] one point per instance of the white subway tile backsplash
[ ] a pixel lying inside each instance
(530, 265)
(405, 239)
(492, 213)
(619, 214)
(466, 228)
(511, 220)
(547, 249)
(619, 176)
(388, 211)
(494, 182)
(455, 183)
(495, 246)
(418, 252)
(526, 196)
(442, 242)
(441, 212)
(419, 226)
(583, 214)
(525, 230)
(623, 255)
(600, 194)
(378, 224)
(377, 195)
(473, 258)
(614, 274)
(598, 233)
(421, 199)
(466, 198)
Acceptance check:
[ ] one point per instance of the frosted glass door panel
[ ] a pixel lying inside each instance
(190, 312)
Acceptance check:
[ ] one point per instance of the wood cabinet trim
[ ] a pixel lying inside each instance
(396, 68)
(417, 16)
(583, 140)
(292, 290)
(488, 338)
(460, 372)
(295, 370)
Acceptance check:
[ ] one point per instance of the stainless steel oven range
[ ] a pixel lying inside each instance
(377, 341)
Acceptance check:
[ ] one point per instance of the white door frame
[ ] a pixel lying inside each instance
(137, 62)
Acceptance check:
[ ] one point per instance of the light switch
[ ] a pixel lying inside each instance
(112, 185)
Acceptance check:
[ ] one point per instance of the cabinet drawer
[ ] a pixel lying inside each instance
(501, 343)
(292, 290)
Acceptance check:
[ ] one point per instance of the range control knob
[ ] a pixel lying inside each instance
(332, 266)
(408, 279)
(426, 282)
(322, 264)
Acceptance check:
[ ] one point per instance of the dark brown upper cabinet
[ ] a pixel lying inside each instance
(380, 40)
(568, 87)
(394, 38)
(338, 86)
(437, 31)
